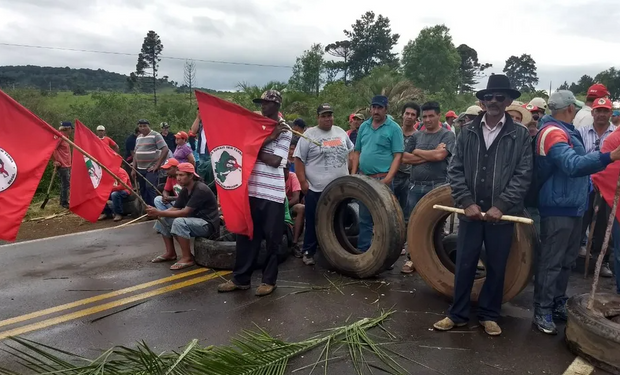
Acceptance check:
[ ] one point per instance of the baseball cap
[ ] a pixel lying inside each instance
(143, 121)
(164, 125)
(531, 107)
(100, 127)
(269, 96)
(538, 102)
(561, 99)
(324, 108)
(187, 168)
(357, 116)
(380, 100)
(172, 162)
(473, 110)
(182, 135)
(597, 90)
(66, 124)
(601, 103)
(451, 114)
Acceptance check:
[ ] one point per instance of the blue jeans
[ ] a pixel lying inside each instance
(117, 203)
(147, 192)
(366, 225)
(310, 241)
(616, 236)
(160, 205)
(64, 173)
(186, 227)
(401, 191)
(417, 192)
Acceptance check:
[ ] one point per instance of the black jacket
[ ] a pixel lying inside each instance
(512, 167)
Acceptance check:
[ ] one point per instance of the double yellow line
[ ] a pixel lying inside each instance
(106, 306)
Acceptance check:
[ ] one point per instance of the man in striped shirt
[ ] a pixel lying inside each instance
(267, 191)
(150, 153)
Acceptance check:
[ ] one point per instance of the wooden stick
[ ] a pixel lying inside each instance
(597, 204)
(139, 174)
(301, 134)
(515, 219)
(131, 222)
(599, 261)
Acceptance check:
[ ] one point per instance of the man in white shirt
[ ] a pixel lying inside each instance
(584, 116)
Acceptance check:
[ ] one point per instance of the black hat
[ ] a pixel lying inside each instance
(324, 108)
(498, 82)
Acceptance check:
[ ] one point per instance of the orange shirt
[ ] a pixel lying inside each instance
(125, 178)
(62, 154)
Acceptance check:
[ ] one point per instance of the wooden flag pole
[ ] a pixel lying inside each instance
(139, 174)
(597, 202)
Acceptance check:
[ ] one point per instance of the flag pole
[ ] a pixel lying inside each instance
(138, 173)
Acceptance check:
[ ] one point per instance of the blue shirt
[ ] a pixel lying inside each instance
(378, 146)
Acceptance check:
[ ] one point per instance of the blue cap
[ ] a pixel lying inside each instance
(380, 100)
(616, 113)
(66, 124)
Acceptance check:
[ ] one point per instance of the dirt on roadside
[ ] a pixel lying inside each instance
(57, 226)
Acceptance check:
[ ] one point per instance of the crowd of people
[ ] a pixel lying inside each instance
(500, 157)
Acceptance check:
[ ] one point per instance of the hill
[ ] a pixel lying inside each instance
(67, 79)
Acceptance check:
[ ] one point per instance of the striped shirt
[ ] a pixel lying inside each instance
(268, 182)
(591, 141)
(148, 149)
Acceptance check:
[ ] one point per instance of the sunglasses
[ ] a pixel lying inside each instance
(498, 97)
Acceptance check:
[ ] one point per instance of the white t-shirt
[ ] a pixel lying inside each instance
(326, 163)
(583, 117)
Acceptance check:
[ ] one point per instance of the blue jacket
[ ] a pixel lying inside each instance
(563, 169)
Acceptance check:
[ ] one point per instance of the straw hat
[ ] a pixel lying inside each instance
(526, 116)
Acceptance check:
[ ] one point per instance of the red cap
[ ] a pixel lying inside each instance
(597, 90)
(530, 107)
(451, 114)
(602, 103)
(182, 135)
(172, 162)
(191, 134)
(187, 168)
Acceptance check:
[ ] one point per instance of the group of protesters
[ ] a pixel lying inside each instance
(500, 157)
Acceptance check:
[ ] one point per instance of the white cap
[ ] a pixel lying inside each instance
(473, 110)
(539, 102)
(100, 127)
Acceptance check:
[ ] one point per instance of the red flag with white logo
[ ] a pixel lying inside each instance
(91, 185)
(26, 146)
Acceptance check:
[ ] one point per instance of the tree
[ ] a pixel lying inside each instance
(564, 86)
(189, 76)
(341, 49)
(470, 68)
(522, 72)
(431, 61)
(307, 71)
(371, 44)
(611, 79)
(149, 58)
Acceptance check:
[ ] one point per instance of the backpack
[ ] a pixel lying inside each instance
(531, 198)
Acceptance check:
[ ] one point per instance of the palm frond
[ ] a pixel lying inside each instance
(250, 353)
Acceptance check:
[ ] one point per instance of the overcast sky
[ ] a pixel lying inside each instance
(567, 38)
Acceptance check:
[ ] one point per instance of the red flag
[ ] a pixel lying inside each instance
(26, 146)
(234, 136)
(607, 180)
(90, 184)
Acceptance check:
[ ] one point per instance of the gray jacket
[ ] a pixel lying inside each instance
(512, 166)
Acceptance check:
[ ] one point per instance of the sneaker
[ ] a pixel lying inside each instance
(408, 267)
(491, 328)
(583, 251)
(118, 218)
(545, 324)
(560, 313)
(102, 217)
(230, 286)
(297, 251)
(308, 260)
(264, 289)
(447, 324)
(606, 271)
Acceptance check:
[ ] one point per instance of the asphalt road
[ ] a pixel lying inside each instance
(90, 291)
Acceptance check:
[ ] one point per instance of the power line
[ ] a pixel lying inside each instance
(133, 54)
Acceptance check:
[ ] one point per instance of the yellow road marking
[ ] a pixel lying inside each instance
(107, 306)
(100, 297)
(579, 367)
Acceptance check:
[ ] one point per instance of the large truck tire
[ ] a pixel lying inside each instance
(593, 334)
(132, 206)
(425, 246)
(389, 226)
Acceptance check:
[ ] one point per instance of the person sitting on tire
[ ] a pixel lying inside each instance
(490, 171)
(428, 153)
(317, 166)
(378, 152)
(194, 214)
(119, 192)
(293, 208)
(172, 188)
(562, 168)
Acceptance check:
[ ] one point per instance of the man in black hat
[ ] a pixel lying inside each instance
(267, 191)
(490, 172)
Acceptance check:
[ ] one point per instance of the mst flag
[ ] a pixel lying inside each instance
(234, 137)
(26, 145)
(607, 180)
(90, 184)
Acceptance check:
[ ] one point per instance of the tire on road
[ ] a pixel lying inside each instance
(592, 334)
(389, 226)
(221, 255)
(425, 249)
(132, 206)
